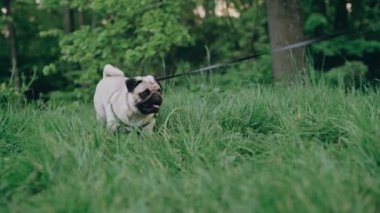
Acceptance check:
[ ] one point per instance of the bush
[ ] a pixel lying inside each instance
(351, 74)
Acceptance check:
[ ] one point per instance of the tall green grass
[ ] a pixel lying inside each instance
(257, 149)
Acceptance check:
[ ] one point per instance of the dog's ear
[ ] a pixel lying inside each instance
(132, 84)
(157, 81)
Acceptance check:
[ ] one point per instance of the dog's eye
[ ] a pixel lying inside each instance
(145, 93)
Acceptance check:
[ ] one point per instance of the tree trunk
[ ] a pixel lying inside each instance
(13, 48)
(81, 18)
(68, 19)
(284, 22)
(320, 7)
(341, 15)
(94, 20)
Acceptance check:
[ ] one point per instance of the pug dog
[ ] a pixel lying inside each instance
(127, 102)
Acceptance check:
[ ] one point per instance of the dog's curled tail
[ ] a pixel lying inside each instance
(109, 71)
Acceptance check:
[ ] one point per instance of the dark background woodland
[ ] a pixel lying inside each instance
(58, 48)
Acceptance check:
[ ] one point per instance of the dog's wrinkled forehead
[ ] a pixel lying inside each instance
(148, 82)
(141, 83)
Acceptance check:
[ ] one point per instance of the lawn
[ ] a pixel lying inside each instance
(252, 149)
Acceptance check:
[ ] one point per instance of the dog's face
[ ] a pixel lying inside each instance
(145, 93)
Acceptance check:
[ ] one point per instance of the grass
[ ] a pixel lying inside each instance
(258, 149)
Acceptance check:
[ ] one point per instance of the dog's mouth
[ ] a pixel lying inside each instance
(148, 109)
(150, 105)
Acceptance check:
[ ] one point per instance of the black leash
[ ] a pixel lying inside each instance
(234, 61)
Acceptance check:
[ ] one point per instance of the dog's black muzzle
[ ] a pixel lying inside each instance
(151, 104)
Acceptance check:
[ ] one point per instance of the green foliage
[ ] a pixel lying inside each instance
(339, 46)
(351, 74)
(156, 38)
(266, 148)
(166, 37)
(126, 38)
(9, 94)
(229, 37)
(328, 17)
(33, 51)
(139, 37)
(315, 22)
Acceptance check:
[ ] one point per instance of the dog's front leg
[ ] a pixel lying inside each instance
(150, 127)
(112, 122)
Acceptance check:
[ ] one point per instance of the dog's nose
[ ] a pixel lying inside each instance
(156, 99)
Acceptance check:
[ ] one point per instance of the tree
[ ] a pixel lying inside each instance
(68, 18)
(133, 35)
(12, 43)
(329, 17)
(284, 21)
